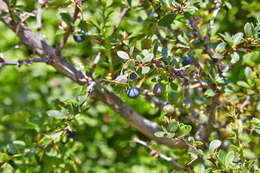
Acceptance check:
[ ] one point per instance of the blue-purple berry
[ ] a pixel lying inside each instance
(79, 38)
(132, 92)
(71, 133)
(186, 60)
(158, 89)
(133, 75)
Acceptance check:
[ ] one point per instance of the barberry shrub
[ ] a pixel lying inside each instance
(129, 86)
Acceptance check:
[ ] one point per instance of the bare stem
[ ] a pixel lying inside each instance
(39, 15)
(20, 63)
(69, 29)
(121, 17)
(213, 18)
(157, 102)
(157, 153)
(189, 101)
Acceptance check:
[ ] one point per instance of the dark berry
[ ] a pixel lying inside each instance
(133, 75)
(132, 92)
(79, 38)
(186, 61)
(158, 89)
(71, 133)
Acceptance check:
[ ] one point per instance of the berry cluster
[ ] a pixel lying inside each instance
(133, 92)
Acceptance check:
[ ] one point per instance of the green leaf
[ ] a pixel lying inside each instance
(227, 38)
(45, 141)
(174, 86)
(28, 153)
(170, 135)
(147, 57)
(248, 71)
(166, 20)
(256, 124)
(183, 38)
(221, 47)
(131, 64)
(159, 134)
(155, 47)
(243, 84)
(221, 156)
(210, 93)
(199, 168)
(31, 125)
(185, 130)
(122, 54)
(83, 25)
(13, 3)
(196, 151)
(251, 58)
(138, 58)
(217, 55)
(237, 38)
(229, 159)
(214, 145)
(165, 54)
(57, 114)
(249, 29)
(228, 5)
(20, 143)
(4, 157)
(11, 149)
(173, 126)
(145, 69)
(234, 57)
(66, 18)
(82, 99)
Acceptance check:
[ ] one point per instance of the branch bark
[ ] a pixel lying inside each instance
(40, 46)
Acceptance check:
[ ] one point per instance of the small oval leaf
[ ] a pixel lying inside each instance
(56, 114)
(214, 145)
(145, 70)
(122, 54)
(159, 134)
(166, 20)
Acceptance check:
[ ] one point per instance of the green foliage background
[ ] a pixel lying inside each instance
(31, 140)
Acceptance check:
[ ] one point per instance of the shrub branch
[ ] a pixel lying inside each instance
(40, 46)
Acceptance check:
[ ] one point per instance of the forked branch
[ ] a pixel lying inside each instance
(40, 46)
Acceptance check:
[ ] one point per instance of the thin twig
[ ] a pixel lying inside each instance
(39, 15)
(162, 40)
(193, 23)
(157, 153)
(90, 87)
(246, 102)
(189, 101)
(121, 17)
(20, 63)
(95, 63)
(213, 18)
(208, 50)
(157, 102)
(70, 29)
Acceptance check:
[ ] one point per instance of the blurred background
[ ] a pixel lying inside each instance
(103, 139)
